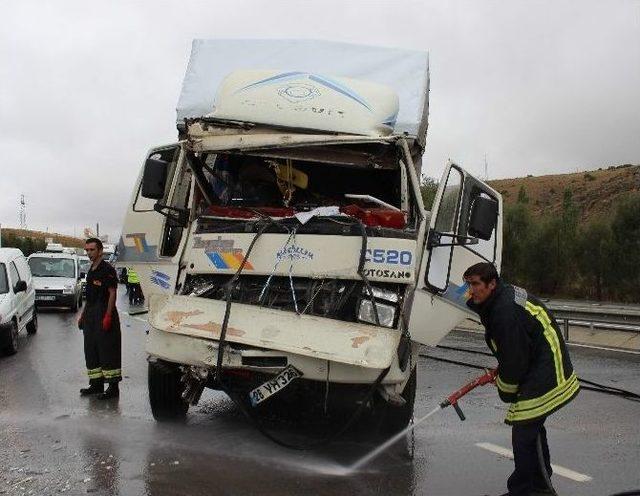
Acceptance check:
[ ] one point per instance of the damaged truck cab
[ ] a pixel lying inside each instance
(283, 245)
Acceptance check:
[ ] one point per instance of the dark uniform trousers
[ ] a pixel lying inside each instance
(102, 349)
(527, 475)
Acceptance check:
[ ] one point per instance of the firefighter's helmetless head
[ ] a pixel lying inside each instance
(483, 280)
(93, 247)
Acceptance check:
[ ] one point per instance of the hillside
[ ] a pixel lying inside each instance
(8, 232)
(594, 193)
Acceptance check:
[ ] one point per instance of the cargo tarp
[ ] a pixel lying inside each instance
(406, 71)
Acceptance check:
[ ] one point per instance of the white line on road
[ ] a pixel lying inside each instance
(557, 469)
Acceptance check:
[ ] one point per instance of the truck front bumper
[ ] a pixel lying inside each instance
(201, 352)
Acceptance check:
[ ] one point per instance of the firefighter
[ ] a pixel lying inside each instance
(101, 326)
(133, 283)
(535, 374)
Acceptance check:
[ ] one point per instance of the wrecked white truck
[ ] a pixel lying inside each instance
(282, 242)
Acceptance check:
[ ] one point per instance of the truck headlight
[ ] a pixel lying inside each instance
(68, 289)
(386, 313)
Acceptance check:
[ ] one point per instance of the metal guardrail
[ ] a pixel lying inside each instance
(595, 316)
(593, 325)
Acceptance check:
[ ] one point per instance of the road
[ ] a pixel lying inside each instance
(54, 442)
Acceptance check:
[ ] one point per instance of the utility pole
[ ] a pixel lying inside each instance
(22, 213)
(97, 230)
(486, 168)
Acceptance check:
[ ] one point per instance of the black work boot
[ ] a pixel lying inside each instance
(96, 386)
(113, 391)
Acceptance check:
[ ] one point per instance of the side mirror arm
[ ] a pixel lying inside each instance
(180, 217)
(458, 240)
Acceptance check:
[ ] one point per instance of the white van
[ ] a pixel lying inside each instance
(17, 299)
(57, 279)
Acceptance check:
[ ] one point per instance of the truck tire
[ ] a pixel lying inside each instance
(397, 418)
(32, 327)
(12, 346)
(165, 392)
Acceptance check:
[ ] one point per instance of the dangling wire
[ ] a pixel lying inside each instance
(292, 234)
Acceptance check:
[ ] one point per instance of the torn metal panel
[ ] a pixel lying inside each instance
(357, 344)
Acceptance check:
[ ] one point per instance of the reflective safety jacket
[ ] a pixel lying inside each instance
(132, 277)
(535, 373)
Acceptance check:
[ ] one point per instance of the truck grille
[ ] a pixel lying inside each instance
(329, 298)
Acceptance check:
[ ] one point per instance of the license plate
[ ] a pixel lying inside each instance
(272, 386)
(45, 298)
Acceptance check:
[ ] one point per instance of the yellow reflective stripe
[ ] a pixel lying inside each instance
(494, 346)
(513, 415)
(505, 386)
(541, 400)
(551, 337)
(112, 373)
(94, 373)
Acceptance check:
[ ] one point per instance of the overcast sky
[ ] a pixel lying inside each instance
(88, 87)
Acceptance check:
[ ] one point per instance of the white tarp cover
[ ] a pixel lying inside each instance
(406, 71)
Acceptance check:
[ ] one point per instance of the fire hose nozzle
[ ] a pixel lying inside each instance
(452, 400)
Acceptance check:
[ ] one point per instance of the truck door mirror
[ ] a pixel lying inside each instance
(154, 178)
(20, 286)
(483, 218)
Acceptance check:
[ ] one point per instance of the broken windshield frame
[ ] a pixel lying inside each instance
(370, 168)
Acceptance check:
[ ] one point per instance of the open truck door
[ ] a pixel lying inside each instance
(465, 228)
(155, 225)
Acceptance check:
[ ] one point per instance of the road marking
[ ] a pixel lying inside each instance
(557, 469)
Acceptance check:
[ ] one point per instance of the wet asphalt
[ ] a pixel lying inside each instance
(52, 441)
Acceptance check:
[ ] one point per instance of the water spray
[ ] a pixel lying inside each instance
(452, 400)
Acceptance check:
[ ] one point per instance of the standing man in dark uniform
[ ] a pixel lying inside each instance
(535, 374)
(101, 326)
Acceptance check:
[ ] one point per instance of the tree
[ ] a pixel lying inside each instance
(594, 255)
(522, 195)
(517, 228)
(428, 189)
(625, 228)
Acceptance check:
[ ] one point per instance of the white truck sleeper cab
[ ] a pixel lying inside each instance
(301, 254)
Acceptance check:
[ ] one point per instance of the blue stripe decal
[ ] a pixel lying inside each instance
(217, 260)
(391, 120)
(161, 275)
(159, 282)
(334, 85)
(274, 79)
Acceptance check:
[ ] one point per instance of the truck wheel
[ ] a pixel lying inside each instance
(165, 392)
(397, 418)
(12, 347)
(32, 327)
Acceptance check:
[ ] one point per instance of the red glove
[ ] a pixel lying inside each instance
(106, 322)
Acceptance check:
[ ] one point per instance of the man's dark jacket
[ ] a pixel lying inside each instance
(535, 373)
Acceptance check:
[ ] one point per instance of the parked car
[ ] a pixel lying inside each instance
(17, 299)
(85, 265)
(56, 279)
